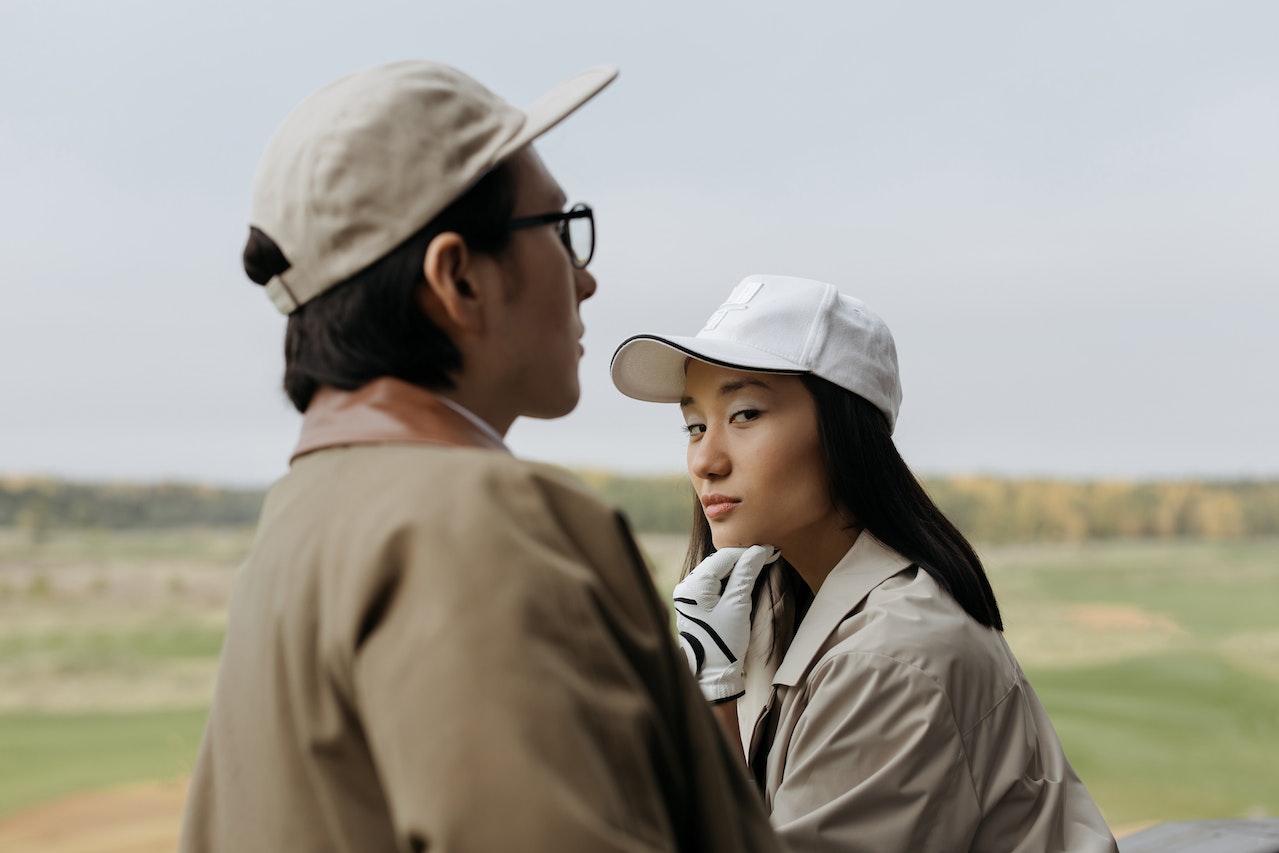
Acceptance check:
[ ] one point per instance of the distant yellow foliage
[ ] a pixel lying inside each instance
(986, 509)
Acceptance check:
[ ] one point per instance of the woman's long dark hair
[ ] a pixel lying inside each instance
(870, 481)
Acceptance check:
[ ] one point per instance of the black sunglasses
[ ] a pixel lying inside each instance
(575, 226)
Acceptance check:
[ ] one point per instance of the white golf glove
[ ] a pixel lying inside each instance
(713, 617)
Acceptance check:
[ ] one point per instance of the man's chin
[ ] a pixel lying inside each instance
(552, 409)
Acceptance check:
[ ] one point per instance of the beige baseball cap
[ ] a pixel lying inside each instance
(773, 324)
(361, 165)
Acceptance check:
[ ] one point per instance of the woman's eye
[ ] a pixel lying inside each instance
(694, 430)
(743, 416)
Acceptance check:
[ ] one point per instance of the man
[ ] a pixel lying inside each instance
(432, 644)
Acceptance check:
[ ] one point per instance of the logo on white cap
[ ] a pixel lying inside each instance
(737, 301)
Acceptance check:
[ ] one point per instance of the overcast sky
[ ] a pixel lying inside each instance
(1068, 214)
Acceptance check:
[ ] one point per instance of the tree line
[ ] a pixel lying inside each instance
(40, 506)
(987, 509)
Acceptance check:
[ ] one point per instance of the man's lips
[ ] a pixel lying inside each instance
(717, 505)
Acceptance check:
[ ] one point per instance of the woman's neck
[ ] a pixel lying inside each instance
(818, 551)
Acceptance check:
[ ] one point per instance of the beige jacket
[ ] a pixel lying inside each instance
(895, 722)
(436, 646)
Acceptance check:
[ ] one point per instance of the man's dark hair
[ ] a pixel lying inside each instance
(871, 482)
(372, 325)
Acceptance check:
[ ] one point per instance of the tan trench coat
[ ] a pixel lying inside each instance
(895, 722)
(436, 646)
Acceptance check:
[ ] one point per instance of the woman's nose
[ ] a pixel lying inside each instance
(707, 457)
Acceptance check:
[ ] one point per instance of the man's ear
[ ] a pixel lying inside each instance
(453, 297)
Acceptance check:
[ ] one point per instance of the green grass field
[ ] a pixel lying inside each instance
(45, 756)
(1169, 736)
(1158, 661)
(1159, 664)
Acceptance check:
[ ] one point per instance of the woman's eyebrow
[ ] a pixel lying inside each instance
(729, 388)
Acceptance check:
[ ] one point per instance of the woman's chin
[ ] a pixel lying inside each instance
(726, 539)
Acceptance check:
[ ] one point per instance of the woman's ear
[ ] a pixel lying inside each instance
(452, 297)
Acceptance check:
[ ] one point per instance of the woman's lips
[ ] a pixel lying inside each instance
(717, 506)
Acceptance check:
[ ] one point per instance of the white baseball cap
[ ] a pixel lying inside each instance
(773, 324)
(364, 163)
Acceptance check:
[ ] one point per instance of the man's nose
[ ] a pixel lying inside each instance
(585, 285)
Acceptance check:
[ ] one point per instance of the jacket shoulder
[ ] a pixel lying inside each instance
(910, 619)
(424, 481)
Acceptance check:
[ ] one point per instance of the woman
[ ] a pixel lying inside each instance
(879, 707)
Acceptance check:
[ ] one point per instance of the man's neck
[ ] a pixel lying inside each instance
(480, 423)
(478, 405)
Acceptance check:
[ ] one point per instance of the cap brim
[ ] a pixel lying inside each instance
(557, 105)
(651, 368)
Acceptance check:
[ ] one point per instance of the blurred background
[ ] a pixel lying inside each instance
(1066, 214)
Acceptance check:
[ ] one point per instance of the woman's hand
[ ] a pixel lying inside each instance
(713, 617)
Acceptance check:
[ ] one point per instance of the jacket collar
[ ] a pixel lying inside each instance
(388, 411)
(866, 565)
